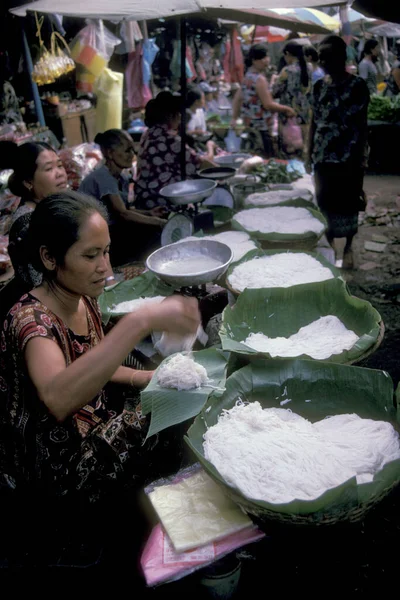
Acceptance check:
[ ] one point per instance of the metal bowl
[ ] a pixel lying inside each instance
(190, 249)
(232, 160)
(188, 192)
(217, 173)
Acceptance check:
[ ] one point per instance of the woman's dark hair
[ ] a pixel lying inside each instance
(311, 51)
(256, 52)
(110, 139)
(338, 48)
(23, 161)
(193, 94)
(296, 50)
(162, 109)
(370, 45)
(55, 223)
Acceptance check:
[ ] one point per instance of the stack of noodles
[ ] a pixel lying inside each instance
(284, 269)
(288, 220)
(182, 373)
(277, 456)
(277, 197)
(320, 339)
(132, 305)
(238, 241)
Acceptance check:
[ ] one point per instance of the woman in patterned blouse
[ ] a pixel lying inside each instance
(59, 436)
(160, 151)
(338, 144)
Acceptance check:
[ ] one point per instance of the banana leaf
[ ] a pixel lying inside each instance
(144, 286)
(316, 390)
(169, 406)
(281, 312)
(256, 253)
(282, 237)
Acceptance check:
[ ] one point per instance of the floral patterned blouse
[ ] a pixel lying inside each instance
(291, 92)
(159, 165)
(35, 449)
(255, 115)
(340, 120)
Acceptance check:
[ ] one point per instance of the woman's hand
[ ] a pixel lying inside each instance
(158, 211)
(176, 314)
(140, 379)
(289, 112)
(157, 221)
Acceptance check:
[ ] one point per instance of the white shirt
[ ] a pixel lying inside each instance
(197, 121)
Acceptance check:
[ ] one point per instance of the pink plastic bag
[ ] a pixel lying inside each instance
(161, 564)
(292, 136)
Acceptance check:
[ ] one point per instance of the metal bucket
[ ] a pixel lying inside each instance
(240, 191)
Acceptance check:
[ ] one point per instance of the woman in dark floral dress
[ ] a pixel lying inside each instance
(338, 144)
(58, 434)
(160, 152)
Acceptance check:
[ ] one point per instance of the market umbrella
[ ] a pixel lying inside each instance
(386, 30)
(248, 11)
(310, 15)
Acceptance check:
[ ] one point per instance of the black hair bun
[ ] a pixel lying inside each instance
(8, 155)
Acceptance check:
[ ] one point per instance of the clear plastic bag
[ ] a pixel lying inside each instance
(93, 46)
(232, 141)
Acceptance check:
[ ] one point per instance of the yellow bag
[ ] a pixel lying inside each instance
(109, 91)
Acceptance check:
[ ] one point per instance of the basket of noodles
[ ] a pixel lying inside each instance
(301, 443)
(282, 226)
(321, 321)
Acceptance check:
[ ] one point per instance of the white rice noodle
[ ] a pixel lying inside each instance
(276, 456)
(132, 305)
(284, 269)
(279, 219)
(277, 197)
(320, 339)
(182, 373)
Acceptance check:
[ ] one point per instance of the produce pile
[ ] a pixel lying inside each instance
(382, 108)
(274, 172)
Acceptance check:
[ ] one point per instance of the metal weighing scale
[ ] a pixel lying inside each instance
(187, 219)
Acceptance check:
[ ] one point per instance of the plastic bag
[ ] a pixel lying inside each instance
(79, 161)
(292, 136)
(232, 141)
(92, 48)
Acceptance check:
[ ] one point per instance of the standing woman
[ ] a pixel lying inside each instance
(393, 84)
(292, 86)
(254, 99)
(312, 59)
(133, 232)
(367, 68)
(338, 144)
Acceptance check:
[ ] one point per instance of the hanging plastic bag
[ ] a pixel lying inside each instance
(93, 46)
(292, 136)
(232, 141)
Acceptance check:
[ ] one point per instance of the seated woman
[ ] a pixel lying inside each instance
(160, 151)
(134, 233)
(38, 172)
(58, 435)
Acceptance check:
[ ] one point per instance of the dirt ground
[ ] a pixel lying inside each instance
(376, 276)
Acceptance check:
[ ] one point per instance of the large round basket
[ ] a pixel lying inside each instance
(259, 253)
(317, 390)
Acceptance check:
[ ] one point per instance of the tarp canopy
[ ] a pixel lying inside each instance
(250, 11)
(387, 10)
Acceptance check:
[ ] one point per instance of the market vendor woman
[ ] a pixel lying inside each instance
(58, 434)
(134, 233)
(160, 148)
